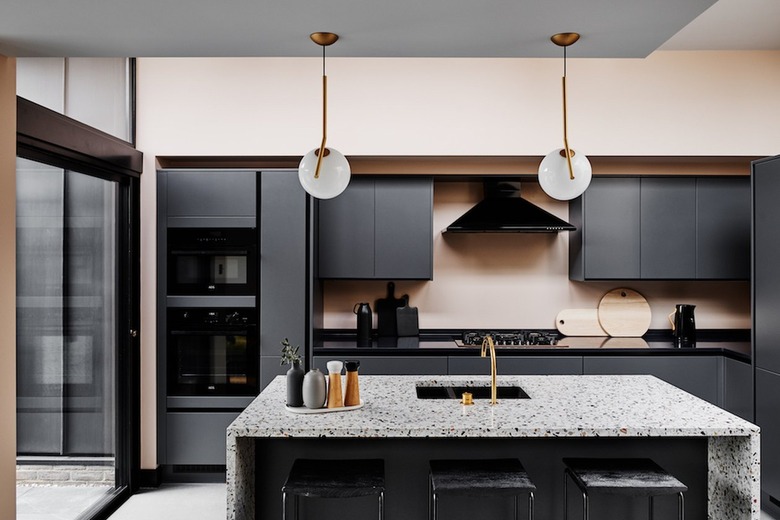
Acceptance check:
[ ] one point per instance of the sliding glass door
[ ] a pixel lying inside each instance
(77, 317)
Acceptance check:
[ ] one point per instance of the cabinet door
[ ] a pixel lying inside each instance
(197, 437)
(518, 365)
(393, 365)
(767, 405)
(697, 375)
(611, 229)
(738, 388)
(226, 198)
(283, 252)
(668, 228)
(346, 232)
(723, 228)
(404, 229)
(766, 252)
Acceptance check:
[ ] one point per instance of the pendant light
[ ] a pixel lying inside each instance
(324, 172)
(565, 174)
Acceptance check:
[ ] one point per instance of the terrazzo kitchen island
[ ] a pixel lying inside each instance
(712, 451)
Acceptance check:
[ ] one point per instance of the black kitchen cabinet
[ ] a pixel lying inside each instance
(738, 388)
(723, 228)
(392, 365)
(606, 243)
(517, 365)
(767, 417)
(209, 198)
(197, 437)
(379, 228)
(284, 286)
(665, 228)
(697, 375)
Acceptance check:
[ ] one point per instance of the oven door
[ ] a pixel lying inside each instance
(212, 262)
(206, 362)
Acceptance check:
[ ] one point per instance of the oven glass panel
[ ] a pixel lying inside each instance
(194, 269)
(212, 364)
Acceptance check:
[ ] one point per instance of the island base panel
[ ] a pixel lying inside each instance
(406, 468)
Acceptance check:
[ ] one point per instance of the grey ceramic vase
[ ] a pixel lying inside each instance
(314, 392)
(295, 385)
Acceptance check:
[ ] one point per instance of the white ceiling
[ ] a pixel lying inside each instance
(382, 28)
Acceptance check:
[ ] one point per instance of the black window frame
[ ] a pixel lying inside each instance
(51, 138)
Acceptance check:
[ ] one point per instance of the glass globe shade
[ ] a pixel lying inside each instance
(334, 174)
(554, 175)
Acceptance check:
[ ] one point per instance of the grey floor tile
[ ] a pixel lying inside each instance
(175, 502)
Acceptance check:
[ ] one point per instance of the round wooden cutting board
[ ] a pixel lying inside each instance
(624, 313)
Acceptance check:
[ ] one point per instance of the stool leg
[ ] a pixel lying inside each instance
(585, 506)
(296, 504)
(680, 506)
(284, 505)
(430, 492)
(531, 505)
(381, 505)
(565, 495)
(650, 509)
(435, 508)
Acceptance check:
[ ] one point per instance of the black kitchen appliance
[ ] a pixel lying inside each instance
(212, 261)
(683, 325)
(212, 352)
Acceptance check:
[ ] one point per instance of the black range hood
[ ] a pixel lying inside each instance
(504, 211)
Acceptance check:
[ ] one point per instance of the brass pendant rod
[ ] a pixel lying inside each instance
(566, 133)
(565, 117)
(321, 153)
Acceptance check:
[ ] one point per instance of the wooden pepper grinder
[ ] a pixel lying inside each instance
(353, 390)
(335, 397)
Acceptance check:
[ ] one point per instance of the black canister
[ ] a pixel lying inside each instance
(683, 325)
(364, 318)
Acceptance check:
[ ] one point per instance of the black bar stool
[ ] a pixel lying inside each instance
(627, 477)
(334, 479)
(479, 478)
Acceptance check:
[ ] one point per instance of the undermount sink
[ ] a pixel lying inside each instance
(477, 392)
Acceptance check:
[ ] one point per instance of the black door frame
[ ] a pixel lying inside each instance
(51, 138)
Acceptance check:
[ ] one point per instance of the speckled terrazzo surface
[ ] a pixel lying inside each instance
(558, 406)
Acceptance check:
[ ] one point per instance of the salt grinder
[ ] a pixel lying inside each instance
(352, 397)
(335, 398)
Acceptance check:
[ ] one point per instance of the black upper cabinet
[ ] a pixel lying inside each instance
(213, 198)
(379, 228)
(666, 228)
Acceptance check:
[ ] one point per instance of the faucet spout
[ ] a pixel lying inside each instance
(488, 343)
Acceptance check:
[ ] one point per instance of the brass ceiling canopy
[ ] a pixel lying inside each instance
(563, 39)
(326, 38)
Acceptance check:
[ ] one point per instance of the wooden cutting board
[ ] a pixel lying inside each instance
(579, 322)
(624, 313)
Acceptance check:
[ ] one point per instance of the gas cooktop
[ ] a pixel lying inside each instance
(516, 338)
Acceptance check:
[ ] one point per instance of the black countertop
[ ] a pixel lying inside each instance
(734, 344)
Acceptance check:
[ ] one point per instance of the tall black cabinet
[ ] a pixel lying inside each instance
(766, 325)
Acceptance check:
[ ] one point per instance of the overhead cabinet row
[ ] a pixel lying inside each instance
(681, 228)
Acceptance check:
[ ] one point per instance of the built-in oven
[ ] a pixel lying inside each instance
(212, 261)
(212, 352)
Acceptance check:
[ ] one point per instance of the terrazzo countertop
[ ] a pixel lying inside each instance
(619, 406)
(559, 406)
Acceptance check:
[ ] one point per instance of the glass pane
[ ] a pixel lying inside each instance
(66, 340)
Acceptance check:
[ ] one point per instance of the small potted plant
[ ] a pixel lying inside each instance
(291, 357)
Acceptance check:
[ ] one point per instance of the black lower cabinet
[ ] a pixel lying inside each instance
(518, 365)
(738, 388)
(767, 407)
(392, 365)
(197, 437)
(696, 375)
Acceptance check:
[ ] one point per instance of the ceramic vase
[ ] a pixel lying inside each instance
(295, 385)
(314, 392)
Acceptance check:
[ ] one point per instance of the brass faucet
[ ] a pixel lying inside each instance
(488, 342)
